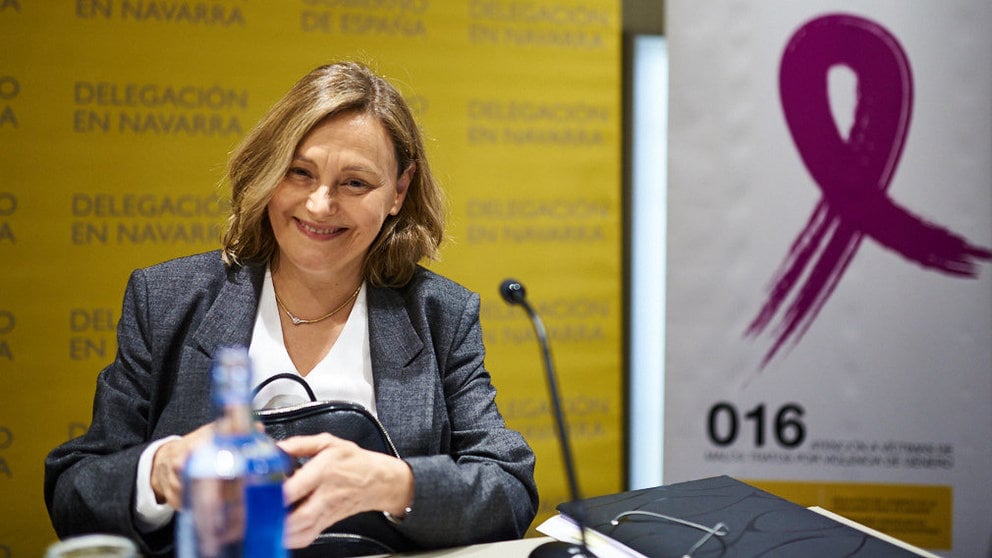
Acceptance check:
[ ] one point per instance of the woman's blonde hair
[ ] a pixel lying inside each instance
(260, 162)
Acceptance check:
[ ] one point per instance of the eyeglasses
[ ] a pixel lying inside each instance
(718, 530)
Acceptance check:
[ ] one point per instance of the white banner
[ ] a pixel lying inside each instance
(829, 325)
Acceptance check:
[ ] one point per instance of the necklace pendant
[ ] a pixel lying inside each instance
(297, 321)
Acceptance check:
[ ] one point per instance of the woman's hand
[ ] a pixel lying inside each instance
(168, 463)
(339, 480)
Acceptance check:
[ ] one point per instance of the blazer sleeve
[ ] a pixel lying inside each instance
(90, 480)
(482, 489)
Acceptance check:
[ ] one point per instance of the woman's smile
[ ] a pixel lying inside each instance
(319, 232)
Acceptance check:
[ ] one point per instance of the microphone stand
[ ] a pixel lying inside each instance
(514, 294)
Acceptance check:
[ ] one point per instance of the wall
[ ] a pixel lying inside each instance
(116, 117)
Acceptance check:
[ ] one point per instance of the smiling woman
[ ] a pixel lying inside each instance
(333, 206)
(329, 208)
(264, 158)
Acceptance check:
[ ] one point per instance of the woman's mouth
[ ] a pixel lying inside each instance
(317, 230)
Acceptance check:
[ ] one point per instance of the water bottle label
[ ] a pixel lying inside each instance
(213, 526)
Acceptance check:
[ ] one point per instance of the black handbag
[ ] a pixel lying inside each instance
(361, 534)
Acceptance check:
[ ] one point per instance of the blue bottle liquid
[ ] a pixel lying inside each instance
(267, 467)
(232, 487)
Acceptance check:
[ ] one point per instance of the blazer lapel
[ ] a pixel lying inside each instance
(230, 319)
(403, 372)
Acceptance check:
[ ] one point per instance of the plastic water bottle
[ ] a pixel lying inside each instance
(232, 486)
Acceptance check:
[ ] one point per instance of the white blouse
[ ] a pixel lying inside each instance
(345, 372)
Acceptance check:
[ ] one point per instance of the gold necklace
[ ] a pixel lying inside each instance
(297, 321)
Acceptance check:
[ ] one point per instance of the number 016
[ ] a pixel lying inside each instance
(724, 421)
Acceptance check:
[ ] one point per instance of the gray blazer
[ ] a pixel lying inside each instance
(474, 478)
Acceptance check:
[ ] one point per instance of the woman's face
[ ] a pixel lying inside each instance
(338, 191)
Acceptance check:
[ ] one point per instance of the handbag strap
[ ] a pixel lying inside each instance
(286, 376)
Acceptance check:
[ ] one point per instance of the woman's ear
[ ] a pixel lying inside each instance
(402, 187)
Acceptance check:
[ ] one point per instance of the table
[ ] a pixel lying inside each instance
(502, 549)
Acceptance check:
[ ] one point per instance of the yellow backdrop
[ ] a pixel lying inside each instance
(116, 117)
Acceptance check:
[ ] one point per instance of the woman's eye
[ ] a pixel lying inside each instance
(355, 184)
(297, 172)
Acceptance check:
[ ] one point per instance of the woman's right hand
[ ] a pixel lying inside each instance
(168, 463)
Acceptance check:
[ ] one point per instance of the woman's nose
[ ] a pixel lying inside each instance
(321, 200)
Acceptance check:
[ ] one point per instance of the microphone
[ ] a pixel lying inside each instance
(515, 294)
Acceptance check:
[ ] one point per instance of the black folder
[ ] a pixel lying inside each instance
(757, 524)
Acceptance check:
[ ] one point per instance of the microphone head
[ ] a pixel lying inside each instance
(513, 292)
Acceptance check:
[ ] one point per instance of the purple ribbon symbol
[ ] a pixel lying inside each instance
(853, 174)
